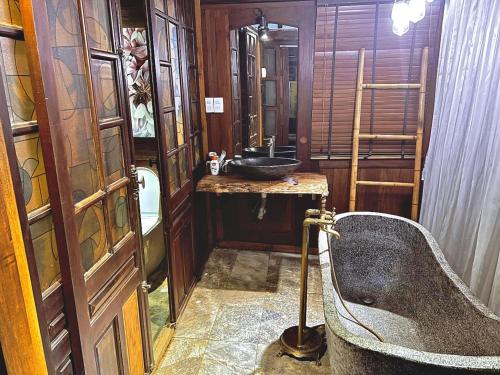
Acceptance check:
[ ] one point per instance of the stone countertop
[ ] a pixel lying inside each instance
(307, 183)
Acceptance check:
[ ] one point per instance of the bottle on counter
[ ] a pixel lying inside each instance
(214, 165)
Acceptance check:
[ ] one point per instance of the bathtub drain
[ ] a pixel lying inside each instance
(367, 300)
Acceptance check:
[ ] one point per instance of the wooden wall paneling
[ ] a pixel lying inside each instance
(216, 52)
(20, 328)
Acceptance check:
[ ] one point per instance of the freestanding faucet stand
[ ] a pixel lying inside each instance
(302, 341)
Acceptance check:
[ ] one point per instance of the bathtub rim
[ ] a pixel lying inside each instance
(451, 361)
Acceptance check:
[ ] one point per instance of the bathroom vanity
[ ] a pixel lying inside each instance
(238, 200)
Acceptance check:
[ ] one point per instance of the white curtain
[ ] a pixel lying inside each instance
(461, 195)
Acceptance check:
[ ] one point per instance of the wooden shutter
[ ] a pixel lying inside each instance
(342, 28)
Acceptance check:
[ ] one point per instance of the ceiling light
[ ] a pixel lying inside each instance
(400, 11)
(417, 10)
(400, 17)
(263, 27)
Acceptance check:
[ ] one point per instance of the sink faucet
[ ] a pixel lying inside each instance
(272, 145)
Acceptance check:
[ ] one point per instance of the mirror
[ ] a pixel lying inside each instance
(264, 68)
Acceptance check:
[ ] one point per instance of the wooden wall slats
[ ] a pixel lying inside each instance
(362, 26)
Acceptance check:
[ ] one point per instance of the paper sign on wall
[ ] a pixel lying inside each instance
(218, 105)
(209, 105)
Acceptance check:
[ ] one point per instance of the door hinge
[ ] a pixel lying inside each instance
(145, 286)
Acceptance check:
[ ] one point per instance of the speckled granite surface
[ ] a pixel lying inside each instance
(430, 321)
(307, 183)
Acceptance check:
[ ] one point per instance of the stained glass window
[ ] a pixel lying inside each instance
(98, 24)
(17, 81)
(183, 165)
(159, 4)
(73, 96)
(172, 174)
(32, 171)
(165, 84)
(162, 38)
(91, 235)
(176, 80)
(45, 248)
(118, 214)
(112, 150)
(10, 13)
(169, 130)
(105, 89)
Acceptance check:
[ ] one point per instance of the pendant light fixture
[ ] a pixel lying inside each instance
(406, 11)
(400, 17)
(417, 10)
(263, 27)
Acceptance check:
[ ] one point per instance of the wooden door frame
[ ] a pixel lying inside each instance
(23, 331)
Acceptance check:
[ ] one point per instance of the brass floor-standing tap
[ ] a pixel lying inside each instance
(302, 341)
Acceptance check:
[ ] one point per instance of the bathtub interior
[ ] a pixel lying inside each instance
(391, 280)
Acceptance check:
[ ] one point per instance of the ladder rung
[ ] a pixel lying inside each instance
(389, 86)
(389, 137)
(385, 183)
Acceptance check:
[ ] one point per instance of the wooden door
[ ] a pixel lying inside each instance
(175, 85)
(249, 87)
(272, 92)
(85, 137)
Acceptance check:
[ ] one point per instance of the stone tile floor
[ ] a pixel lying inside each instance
(237, 312)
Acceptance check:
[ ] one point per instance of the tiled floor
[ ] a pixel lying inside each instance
(238, 311)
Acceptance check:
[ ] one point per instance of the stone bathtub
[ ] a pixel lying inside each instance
(395, 279)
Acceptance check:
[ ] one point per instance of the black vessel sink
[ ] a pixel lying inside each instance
(279, 152)
(264, 168)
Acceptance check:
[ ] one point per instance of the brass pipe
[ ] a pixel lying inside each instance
(323, 224)
(303, 282)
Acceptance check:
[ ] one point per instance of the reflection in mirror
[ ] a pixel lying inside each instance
(264, 71)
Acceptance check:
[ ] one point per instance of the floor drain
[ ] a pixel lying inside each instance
(367, 301)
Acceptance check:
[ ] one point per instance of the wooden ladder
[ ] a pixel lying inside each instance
(415, 185)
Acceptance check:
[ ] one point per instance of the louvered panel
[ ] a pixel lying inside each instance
(397, 60)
